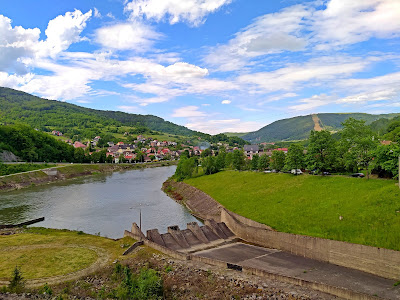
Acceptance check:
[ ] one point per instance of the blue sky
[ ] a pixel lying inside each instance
(211, 65)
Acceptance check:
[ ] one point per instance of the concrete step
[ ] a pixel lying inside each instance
(154, 236)
(191, 238)
(178, 236)
(215, 228)
(211, 236)
(170, 242)
(195, 228)
(225, 229)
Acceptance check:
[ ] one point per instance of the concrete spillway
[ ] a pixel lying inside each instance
(194, 238)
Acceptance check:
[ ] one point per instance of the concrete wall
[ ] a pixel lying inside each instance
(378, 261)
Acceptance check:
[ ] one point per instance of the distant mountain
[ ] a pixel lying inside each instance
(48, 115)
(298, 128)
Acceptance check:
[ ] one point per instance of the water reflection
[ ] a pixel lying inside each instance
(105, 204)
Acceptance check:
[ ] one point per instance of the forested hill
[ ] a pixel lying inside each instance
(298, 128)
(48, 115)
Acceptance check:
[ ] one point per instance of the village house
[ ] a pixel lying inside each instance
(56, 133)
(250, 150)
(79, 145)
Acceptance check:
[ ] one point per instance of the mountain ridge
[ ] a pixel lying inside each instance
(299, 127)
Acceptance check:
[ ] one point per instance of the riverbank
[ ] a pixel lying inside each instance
(62, 173)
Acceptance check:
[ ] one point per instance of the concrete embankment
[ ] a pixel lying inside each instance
(61, 173)
(377, 261)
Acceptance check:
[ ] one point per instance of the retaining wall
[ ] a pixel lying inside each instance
(378, 261)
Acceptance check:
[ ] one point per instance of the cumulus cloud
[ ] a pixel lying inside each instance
(188, 112)
(127, 36)
(191, 11)
(16, 43)
(226, 102)
(65, 30)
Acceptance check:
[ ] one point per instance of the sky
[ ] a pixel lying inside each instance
(210, 65)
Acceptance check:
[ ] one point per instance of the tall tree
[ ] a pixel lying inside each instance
(238, 160)
(263, 162)
(278, 160)
(321, 151)
(254, 162)
(387, 159)
(359, 141)
(295, 157)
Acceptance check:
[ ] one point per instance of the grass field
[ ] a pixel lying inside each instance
(41, 252)
(311, 205)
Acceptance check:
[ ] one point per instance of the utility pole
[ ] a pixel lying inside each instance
(140, 219)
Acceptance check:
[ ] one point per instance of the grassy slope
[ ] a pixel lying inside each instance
(311, 205)
(42, 252)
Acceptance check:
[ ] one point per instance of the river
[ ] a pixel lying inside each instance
(101, 204)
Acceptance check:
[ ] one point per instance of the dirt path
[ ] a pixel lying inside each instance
(317, 123)
(103, 258)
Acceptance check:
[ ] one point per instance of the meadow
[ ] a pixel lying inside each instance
(44, 253)
(341, 208)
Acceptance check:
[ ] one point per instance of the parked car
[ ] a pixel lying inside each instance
(267, 171)
(326, 173)
(360, 175)
(296, 172)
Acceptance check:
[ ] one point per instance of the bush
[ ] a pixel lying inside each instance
(17, 282)
(147, 285)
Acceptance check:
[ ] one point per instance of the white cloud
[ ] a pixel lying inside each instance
(349, 22)
(16, 43)
(188, 112)
(315, 71)
(127, 36)
(379, 88)
(223, 125)
(309, 104)
(65, 30)
(271, 33)
(226, 102)
(303, 27)
(96, 13)
(191, 11)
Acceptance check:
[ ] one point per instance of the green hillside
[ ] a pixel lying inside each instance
(298, 128)
(311, 205)
(73, 120)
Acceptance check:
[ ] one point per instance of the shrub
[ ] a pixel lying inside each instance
(17, 282)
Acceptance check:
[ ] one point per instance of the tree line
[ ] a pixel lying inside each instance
(354, 148)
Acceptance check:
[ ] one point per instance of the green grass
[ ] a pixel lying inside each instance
(42, 252)
(311, 205)
(45, 262)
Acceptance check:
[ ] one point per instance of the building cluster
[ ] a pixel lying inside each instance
(251, 150)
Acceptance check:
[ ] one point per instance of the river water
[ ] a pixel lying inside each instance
(105, 204)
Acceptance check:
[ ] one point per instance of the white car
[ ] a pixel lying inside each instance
(296, 171)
